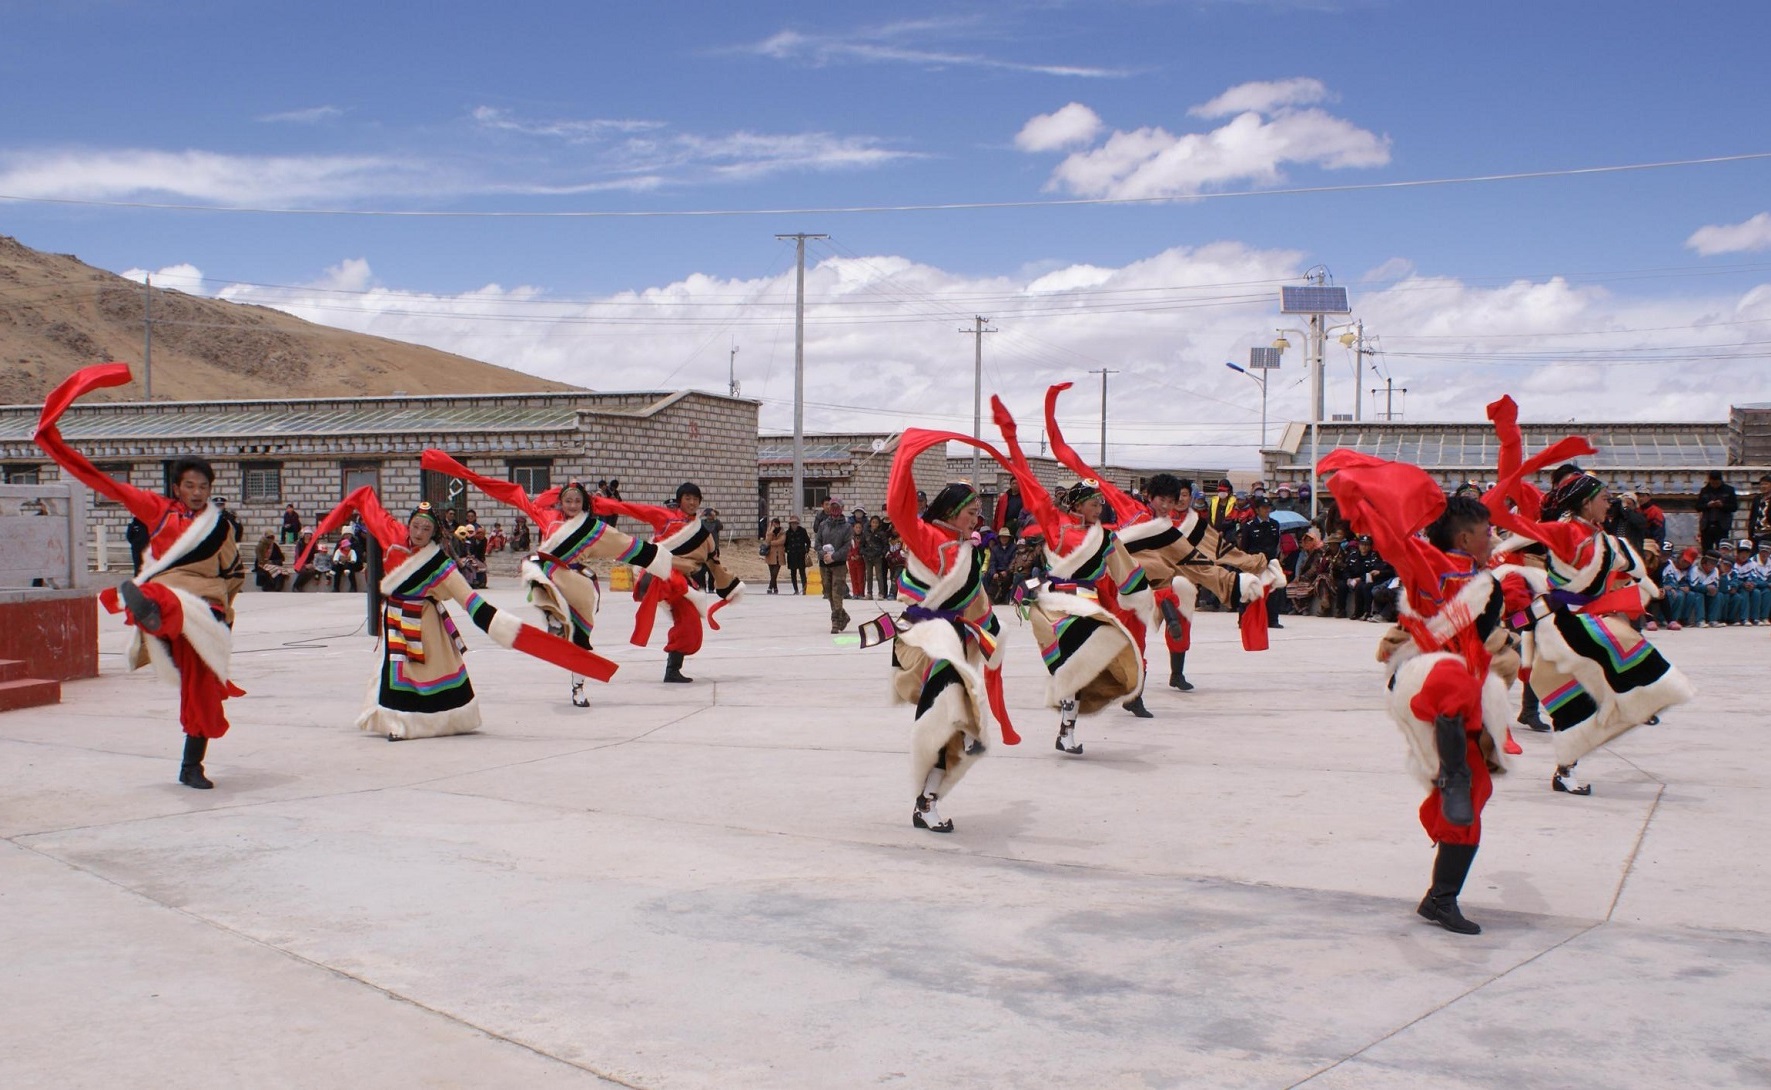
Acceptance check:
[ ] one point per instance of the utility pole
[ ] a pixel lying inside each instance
(147, 335)
(799, 376)
(977, 331)
(1103, 372)
(1359, 354)
(732, 371)
(1389, 392)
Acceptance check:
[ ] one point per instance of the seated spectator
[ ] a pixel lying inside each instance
(1731, 594)
(269, 569)
(1675, 605)
(519, 534)
(346, 563)
(318, 568)
(496, 541)
(1311, 585)
(1705, 581)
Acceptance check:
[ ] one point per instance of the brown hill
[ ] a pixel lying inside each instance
(58, 314)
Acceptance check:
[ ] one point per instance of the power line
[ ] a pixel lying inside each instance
(954, 206)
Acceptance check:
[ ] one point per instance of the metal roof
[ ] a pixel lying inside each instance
(1474, 447)
(821, 452)
(270, 423)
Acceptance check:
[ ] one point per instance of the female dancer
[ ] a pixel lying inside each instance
(690, 547)
(1092, 657)
(181, 602)
(1596, 676)
(422, 689)
(571, 535)
(947, 645)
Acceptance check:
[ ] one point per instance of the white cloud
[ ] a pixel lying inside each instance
(575, 129)
(882, 352)
(1064, 128)
(1263, 97)
(206, 176)
(901, 43)
(1754, 234)
(1252, 147)
(312, 115)
(183, 277)
(1394, 269)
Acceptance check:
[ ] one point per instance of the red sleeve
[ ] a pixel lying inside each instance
(921, 539)
(653, 515)
(147, 506)
(386, 529)
(508, 493)
(1128, 509)
(1033, 494)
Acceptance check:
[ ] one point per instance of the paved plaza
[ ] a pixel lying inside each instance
(717, 885)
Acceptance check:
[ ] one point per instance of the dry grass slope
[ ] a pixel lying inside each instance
(58, 314)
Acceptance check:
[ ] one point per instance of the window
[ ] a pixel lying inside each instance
(535, 475)
(17, 474)
(116, 471)
(442, 490)
(817, 495)
(261, 482)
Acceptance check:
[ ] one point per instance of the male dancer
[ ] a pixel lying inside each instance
(679, 532)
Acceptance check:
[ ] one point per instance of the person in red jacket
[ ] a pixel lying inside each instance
(181, 601)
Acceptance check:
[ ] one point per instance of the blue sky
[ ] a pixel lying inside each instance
(1646, 288)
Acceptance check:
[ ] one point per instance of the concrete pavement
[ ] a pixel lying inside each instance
(717, 885)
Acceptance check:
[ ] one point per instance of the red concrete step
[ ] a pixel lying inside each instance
(28, 693)
(12, 669)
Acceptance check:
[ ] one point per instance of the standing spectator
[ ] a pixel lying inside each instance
(894, 561)
(1716, 504)
(834, 538)
(774, 551)
(1758, 516)
(233, 520)
(714, 525)
(1625, 519)
(1220, 507)
(1652, 512)
(346, 563)
(291, 525)
(873, 554)
(796, 545)
(1009, 509)
(138, 537)
(1260, 534)
(857, 568)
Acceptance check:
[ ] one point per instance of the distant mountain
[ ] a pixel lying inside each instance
(58, 314)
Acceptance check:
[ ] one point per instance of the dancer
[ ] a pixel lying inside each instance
(947, 647)
(1179, 551)
(1092, 657)
(679, 532)
(181, 601)
(422, 689)
(1445, 690)
(1596, 676)
(572, 534)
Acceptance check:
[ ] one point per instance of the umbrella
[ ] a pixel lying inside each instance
(1290, 520)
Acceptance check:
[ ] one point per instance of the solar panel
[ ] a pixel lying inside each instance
(1263, 359)
(1313, 299)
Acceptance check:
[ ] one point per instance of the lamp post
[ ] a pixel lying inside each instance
(1317, 333)
(1262, 379)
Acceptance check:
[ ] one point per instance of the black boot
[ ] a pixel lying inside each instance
(1177, 671)
(673, 669)
(1529, 718)
(191, 772)
(1136, 706)
(1450, 867)
(141, 607)
(1454, 770)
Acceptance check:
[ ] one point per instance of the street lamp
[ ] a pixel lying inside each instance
(1262, 379)
(1313, 341)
